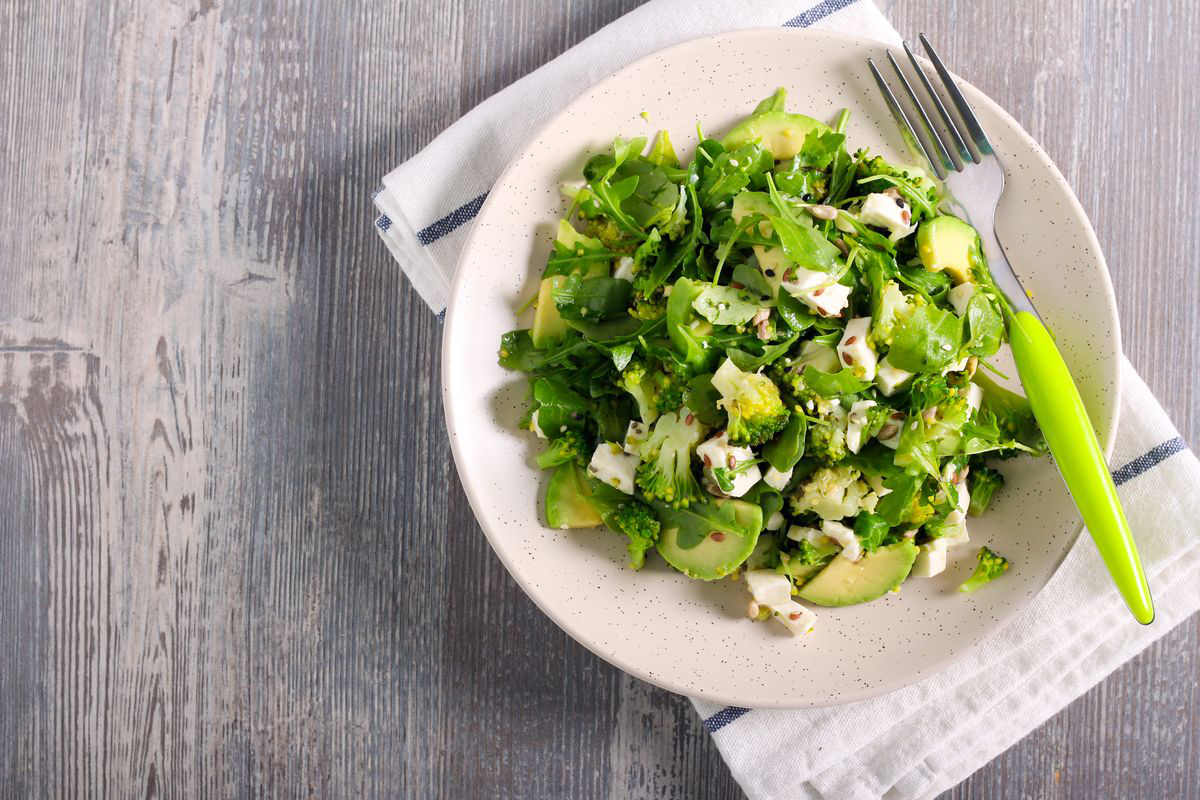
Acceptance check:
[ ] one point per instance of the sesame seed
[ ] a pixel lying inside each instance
(851, 340)
(794, 616)
(689, 419)
(717, 536)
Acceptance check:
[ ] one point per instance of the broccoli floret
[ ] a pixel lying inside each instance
(666, 470)
(984, 481)
(827, 441)
(570, 445)
(834, 493)
(756, 411)
(626, 515)
(648, 308)
(654, 390)
(991, 566)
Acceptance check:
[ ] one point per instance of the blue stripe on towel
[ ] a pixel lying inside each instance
(452, 221)
(1149, 460)
(817, 13)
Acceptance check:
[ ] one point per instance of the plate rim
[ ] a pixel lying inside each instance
(936, 665)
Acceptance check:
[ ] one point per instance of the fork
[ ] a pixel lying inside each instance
(974, 177)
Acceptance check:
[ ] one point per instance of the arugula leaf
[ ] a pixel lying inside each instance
(677, 254)
(833, 384)
(755, 282)
(819, 148)
(702, 399)
(575, 252)
(871, 530)
(730, 172)
(787, 447)
(773, 103)
(592, 299)
(805, 245)
(622, 354)
(893, 507)
(662, 152)
(696, 522)
(926, 341)
(985, 326)
(748, 362)
(724, 305)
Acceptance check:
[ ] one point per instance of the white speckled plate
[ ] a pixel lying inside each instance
(693, 637)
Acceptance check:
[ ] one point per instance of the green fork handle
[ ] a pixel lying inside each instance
(1064, 422)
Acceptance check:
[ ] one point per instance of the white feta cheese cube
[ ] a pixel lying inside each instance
(774, 522)
(828, 301)
(736, 464)
(974, 397)
(818, 356)
(961, 295)
(856, 423)
(798, 279)
(956, 528)
(801, 533)
(611, 464)
(795, 617)
(776, 479)
(768, 587)
(533, 425)
(635, 435)
(931, 559)
(855, 351)
(889, 434)
(890, 379)
(624, 270)
(886, 211)
(851, 547)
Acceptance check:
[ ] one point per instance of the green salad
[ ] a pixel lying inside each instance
(768, 364)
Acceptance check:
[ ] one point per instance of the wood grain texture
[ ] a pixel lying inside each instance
(235, 559)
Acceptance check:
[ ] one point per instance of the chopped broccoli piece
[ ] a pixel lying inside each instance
(827, 440)
(834, 493)
(984, 481)
(1013, 416)
(991, 566)
(756, 411)
(570, 445)
(626, 515)
(654, 390)
(666, 470)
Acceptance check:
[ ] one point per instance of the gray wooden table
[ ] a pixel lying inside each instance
(234, 555)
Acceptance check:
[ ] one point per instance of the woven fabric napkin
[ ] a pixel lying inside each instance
(919, 741)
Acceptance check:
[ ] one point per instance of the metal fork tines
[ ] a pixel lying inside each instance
(956, 149)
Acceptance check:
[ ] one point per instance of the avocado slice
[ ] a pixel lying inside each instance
(948, 243)
(780, 133)
(567, 504)
(848, 583)
(771, 260)
(709, 541)
(548, 324)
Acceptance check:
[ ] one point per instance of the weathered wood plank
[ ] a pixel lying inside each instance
(234, 556)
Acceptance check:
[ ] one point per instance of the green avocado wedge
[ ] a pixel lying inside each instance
(780, 133)
(848, 583)
(710, 540)
(567, 504)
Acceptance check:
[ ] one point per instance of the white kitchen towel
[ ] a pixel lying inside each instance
(918, 741)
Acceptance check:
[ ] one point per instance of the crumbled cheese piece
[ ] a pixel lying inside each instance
(611, 464)
(851, 547)
(768, 587)
(856, 422)
(885, 211)
(890, 379)
(795, 617)
(635, 436)
(776, 479)
(802, 533)
(774, 522)
(855, 351)
(718, 453)
(931, 559)
(889, 434)
(974, 397)
(624, 270)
